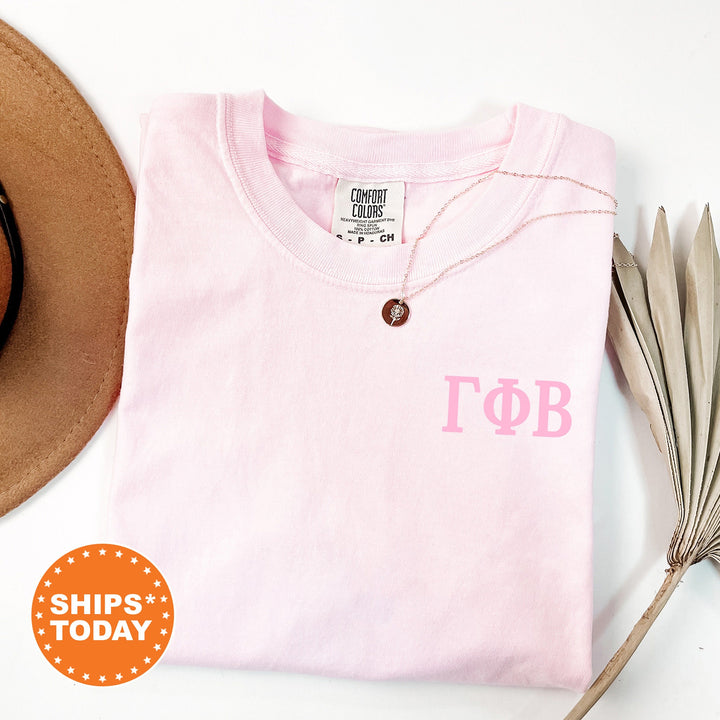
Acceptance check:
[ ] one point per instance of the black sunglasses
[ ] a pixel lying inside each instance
(16, 262)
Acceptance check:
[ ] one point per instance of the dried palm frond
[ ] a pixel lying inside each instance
(671, 365)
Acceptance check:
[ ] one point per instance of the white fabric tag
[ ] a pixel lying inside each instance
(369, 213)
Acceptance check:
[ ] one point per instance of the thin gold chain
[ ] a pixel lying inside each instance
(404, 296)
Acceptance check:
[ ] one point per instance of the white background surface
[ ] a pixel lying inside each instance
(644, 73)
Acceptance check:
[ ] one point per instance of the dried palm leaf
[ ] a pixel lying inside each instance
(671, 365)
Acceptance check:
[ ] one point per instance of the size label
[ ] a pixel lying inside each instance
(369, 214)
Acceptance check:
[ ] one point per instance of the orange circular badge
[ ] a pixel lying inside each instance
(102, 614)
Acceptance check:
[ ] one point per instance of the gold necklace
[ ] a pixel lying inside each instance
(396, 311)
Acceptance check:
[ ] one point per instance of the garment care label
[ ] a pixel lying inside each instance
(369, 214)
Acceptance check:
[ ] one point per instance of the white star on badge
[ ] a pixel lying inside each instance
(86, 676)
(41, 598)
(58, 570)
(118, 676)
(163, 631)
(118, 553)
(58, 660)
(48, 583)
(85, 555)
(134, 561)
(147, 660)
(166, 615)
(102, 678)
(157, 583)
(71, 560)
(133, 670)
(41, 631)
(146, 571)
(38, 615)
(71, 670)
(102, 552)
(47, 647)
(157, 647)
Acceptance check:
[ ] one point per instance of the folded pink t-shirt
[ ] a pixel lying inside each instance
(327, 493)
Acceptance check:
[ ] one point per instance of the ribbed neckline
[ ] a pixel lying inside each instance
(253, 127)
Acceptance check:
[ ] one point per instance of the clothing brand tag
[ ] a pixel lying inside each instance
(369, 214)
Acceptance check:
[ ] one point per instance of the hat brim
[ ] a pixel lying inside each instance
(61, 369)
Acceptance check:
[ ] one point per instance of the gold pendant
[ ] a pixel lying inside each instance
(395, 312)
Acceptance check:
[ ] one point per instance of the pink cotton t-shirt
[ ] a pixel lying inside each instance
(328, 494)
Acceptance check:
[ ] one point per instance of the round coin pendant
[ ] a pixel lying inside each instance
(395, 312)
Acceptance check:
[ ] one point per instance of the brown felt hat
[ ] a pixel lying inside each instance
(73, 205)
